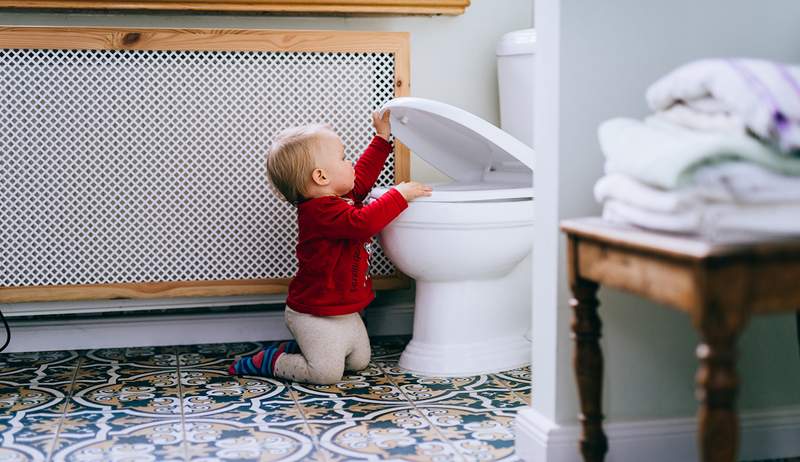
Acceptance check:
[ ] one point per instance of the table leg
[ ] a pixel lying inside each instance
(717, 387)
(588, 364)
(798, 329)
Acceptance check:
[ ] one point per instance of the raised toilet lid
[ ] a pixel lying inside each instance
(484, 162)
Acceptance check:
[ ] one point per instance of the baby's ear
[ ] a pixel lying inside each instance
(319, 177)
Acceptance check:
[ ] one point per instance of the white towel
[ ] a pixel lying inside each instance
(745, 183)
(622, 188)
(690, 117)
(715, 222)
(666, 155)
(730, 182)
(686, 221)
(763, 96)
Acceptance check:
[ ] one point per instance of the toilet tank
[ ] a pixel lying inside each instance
(515, 74)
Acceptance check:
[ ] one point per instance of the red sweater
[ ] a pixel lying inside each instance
(333, 242)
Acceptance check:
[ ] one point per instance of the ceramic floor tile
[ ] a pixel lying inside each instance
(524, 394)
(428, 390)
(216, 439)
(12, 363)
(331, 410)
(217, 356)
(31, 398)
(151, 392)
(328, 456)
(128, 403)
(210, 392)
(482, 392)
(36, 381)
(370, 385)
(517, 378)
(477, 435)
(143, 381)
(119, 435)
(30, 433)
(394, 434)
(518, 381)
(484, 400)
(20, 454)
(134, 358)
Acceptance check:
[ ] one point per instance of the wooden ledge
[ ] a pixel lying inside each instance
(319, 7)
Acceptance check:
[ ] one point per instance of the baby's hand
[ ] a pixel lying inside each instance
(412, 190)
(383, 127)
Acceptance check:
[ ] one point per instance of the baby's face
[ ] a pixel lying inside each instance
(330, 158)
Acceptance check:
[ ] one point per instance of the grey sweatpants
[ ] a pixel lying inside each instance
(329, 345)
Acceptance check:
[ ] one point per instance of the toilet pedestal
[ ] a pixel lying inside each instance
(471, 327)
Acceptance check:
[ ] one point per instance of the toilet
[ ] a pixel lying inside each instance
(468, 246)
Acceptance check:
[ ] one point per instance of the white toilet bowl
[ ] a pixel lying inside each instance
(468, 246)
(472, 267)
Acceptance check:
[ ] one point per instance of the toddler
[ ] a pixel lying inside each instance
(307, 166)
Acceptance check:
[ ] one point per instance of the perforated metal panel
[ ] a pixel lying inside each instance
(145, 166)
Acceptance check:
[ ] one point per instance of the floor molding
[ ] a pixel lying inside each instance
(175, 328)
(769, 434)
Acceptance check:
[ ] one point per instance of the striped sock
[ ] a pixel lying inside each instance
(291, 347)
(263, 362)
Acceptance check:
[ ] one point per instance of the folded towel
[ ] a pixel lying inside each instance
(666, 155)
(686, 221)
(717, 222)
(691, 117)
(622, 188)
(745, 183)
(763, 96)
(730, 182)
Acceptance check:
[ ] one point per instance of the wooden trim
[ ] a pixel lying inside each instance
(324, 7)
(402, 87)
(92, 38)
(168, 289)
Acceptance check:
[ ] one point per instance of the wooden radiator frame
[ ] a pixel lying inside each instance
(95, 38)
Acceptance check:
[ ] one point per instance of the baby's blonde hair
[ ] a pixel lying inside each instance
(290, 160)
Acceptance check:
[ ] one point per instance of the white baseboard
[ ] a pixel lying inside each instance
(179, 329)
(769, 434)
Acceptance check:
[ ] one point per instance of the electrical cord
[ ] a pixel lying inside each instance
(8, 331)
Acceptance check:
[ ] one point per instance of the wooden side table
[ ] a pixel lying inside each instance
(719, 286)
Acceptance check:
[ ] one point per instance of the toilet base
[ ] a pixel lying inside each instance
(466, 359)
(471, 327)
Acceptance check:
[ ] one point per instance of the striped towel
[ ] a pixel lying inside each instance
(746, 95)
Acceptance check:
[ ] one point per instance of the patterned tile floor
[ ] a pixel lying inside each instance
(179, 404)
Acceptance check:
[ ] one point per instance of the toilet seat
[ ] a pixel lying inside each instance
(470, 192)
(486, 163)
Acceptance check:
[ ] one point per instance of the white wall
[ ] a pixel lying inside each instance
(595, 61)
(452, 57)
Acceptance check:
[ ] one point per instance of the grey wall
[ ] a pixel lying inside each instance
(603, 56)
(452, 57)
